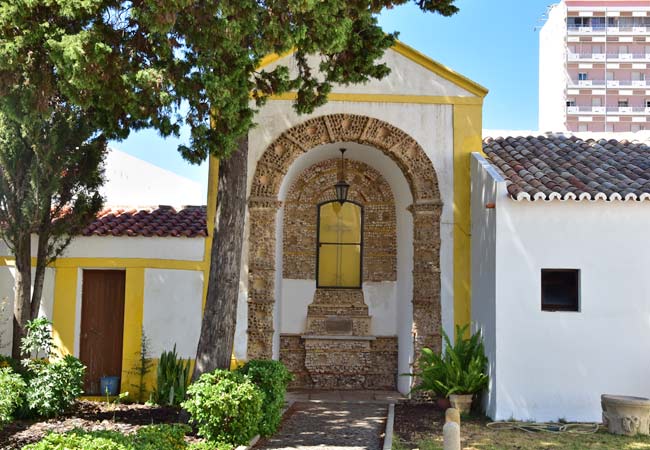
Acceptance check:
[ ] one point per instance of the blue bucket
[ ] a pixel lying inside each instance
(110, 384)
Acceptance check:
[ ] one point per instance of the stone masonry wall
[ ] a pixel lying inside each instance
(316, 185)
(263, 205)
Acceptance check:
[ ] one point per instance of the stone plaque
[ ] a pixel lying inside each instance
(338, 325)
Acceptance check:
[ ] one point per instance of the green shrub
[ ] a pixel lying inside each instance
(210, 446)
(173, 377)
(272, 377)
(461, 369)
(12, 390)
(8, 361)
(225, 406)
(53, 387)
(38, 341)
(153, 437)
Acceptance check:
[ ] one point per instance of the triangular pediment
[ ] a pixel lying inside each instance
(412, 73)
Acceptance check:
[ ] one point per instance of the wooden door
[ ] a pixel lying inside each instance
(102, 326)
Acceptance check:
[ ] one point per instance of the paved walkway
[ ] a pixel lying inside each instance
(347, 425)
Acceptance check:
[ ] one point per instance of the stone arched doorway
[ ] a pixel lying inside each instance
(420, 175)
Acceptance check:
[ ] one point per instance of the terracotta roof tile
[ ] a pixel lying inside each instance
(160, 221)
(567, 168)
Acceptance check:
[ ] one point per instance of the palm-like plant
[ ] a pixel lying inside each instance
(460, 369)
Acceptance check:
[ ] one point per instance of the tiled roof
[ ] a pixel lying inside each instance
(567, 168)
(160, 221)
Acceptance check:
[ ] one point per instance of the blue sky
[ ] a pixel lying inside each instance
(494, 42)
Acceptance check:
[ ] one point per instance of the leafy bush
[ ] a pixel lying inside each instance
(225, 406)
(12, 390)
(272, 377)
(38, 340)
(54, 386)
(173, 378)
(153, 437)
(8, 361)
(461, 369)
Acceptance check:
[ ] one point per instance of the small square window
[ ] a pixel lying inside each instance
(560, 290)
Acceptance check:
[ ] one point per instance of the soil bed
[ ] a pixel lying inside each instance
(89, 416)
(419, 426)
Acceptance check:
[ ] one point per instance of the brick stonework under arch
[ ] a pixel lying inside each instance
(314, 186)
(263, 206)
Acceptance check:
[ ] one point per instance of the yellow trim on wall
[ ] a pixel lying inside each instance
(439, 69)
(64, 310)
(467, 124)
(211, 211)
(391, 98)
(133, 315)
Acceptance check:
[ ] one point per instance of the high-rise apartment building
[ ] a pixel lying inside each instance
(594, 66)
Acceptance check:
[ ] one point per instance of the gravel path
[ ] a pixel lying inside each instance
(330, 426)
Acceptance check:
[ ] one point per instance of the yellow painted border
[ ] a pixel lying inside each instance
(211, 211)
(392, 98)
(64, 309)
(133, 315)
(439, 69)
(467, 123)
(418, 58)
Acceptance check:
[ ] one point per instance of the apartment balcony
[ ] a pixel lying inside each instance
(586, 83)
(628, 57)
(585, 110)
(600, 110)
(614, 30)
(627, 83)
(628, 110)
(586, 57)
(640, 29)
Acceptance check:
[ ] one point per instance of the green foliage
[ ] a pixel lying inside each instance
(152, 437)
(226, 407)
(210, 446)
(8, 361)
(133, 64)
(54, 386)
(12, 389)
(38, 340)
(461, 369)
(142, 367)
(272, 378)
(172, 379)
(49, 185)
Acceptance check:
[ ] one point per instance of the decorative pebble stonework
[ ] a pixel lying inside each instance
(263, 205)
(368, 364)
(367, 187)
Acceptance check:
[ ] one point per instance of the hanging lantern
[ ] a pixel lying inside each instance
(341, 187)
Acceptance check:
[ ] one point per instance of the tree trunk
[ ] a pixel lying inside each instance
(39, 274)
(220, 316)
(22, 292)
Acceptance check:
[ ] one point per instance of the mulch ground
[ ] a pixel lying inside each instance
(89, 416)
(417, 421)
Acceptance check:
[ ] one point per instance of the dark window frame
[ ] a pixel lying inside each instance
(550, 307)
(318, 245)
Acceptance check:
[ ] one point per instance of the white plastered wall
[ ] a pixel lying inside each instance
(173, 310)
(552, 365)
(485, 181)
(7, 277)
(430, 125)
(170, 248)
(552, 71)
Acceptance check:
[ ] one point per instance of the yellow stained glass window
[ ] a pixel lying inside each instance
(339, 245)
